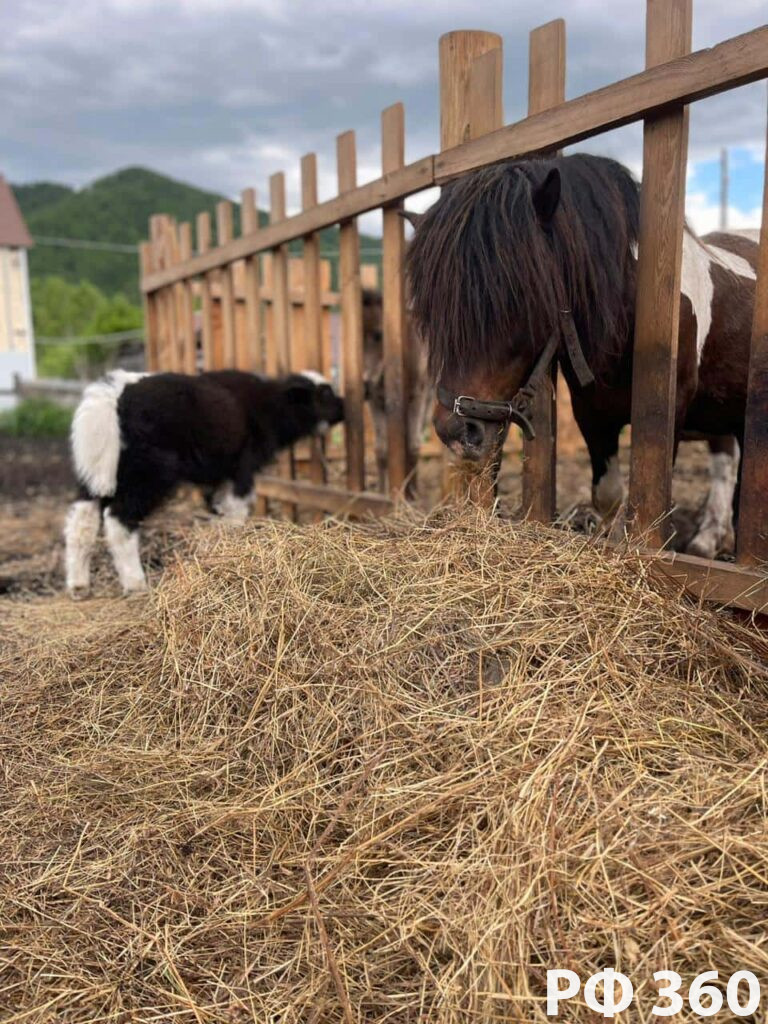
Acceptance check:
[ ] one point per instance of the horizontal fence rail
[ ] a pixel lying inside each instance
(736, 62)
(249, 302)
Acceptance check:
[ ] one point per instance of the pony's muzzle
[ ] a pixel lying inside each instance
(466, 437)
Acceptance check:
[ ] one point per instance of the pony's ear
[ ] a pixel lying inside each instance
(412, 218)
(546, 197)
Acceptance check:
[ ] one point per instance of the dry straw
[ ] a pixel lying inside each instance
(383, 772)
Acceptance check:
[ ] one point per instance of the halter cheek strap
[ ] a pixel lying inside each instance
(519, 409)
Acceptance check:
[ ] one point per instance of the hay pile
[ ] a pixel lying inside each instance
(385, 772)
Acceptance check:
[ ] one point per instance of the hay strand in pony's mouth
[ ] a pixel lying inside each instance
(385, 771)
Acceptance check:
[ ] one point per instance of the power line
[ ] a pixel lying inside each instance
(119, 247)
(83, 243)
(115, 338)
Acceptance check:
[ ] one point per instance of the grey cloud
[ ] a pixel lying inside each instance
(224, 94)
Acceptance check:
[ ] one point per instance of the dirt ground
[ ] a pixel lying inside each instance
(36, 484)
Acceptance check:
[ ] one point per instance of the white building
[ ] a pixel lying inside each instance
(17, 340)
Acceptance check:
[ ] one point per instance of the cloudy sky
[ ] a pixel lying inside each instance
(221, 93)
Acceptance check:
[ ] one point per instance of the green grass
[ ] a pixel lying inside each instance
(35, 417)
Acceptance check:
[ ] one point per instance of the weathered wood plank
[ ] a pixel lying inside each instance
(326, 499)
(223, 239)
(313, 307)
(185, 305)
(470, 105)
(657, 309)
(717, 582)
(170, 256)
(281, 317)
(752, 540)
(393, 307)
(151, 339)
(546, 89)
(206, 306)
(351, 320)
(248, 354)
(157, 240)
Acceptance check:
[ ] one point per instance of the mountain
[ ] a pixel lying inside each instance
(117, 209)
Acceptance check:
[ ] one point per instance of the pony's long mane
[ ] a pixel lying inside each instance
(481, 265)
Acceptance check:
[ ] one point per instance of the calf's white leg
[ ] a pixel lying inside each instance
(80, 532)
(124, 547)
(231, 506)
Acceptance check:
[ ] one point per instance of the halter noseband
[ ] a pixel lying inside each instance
(520, 408)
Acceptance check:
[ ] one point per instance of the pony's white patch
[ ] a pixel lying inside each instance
(230, 506)
(736, 264)
(96, 433)
(80, 532)
(717, 519)
(322, 428)
(697, 285)
(609, 490)
(314, 376)
(697, 282)
(124, 547)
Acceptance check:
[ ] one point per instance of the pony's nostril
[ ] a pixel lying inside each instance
(473, 434)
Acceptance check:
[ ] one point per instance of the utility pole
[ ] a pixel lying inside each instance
(724, 182)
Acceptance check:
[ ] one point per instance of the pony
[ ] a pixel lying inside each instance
(135, 437)
(531, 261)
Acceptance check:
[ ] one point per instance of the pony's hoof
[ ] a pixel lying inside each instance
(581, 518)
(702, 546)
(78, 593)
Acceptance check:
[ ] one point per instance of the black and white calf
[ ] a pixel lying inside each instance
(135, 437)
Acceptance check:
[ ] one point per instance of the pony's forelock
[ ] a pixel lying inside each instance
(484, 271)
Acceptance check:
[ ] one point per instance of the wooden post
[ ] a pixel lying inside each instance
(151, 340)
(223, 237)
(546, 88)
(351, 320)
(171, 249)
(248, 356)
(657, 311)
(470, 106)
(157, 235)
(281, 313)
(393, 307)
(206, 305)
(752, 540)
(313, 310)
(186, 309)
(462, 114)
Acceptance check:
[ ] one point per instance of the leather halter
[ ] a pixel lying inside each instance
(520, 408)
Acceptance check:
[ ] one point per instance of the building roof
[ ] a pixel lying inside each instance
(13, 230)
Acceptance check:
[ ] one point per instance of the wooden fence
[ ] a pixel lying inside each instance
(473, 135)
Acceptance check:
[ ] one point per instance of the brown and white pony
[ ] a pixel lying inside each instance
(512, 256)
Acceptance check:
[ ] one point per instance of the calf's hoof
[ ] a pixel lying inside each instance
(135, 587)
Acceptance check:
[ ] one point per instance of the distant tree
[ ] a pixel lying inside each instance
(61, 310)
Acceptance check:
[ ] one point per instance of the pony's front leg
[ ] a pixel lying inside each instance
(716, 526)
(602, 437)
